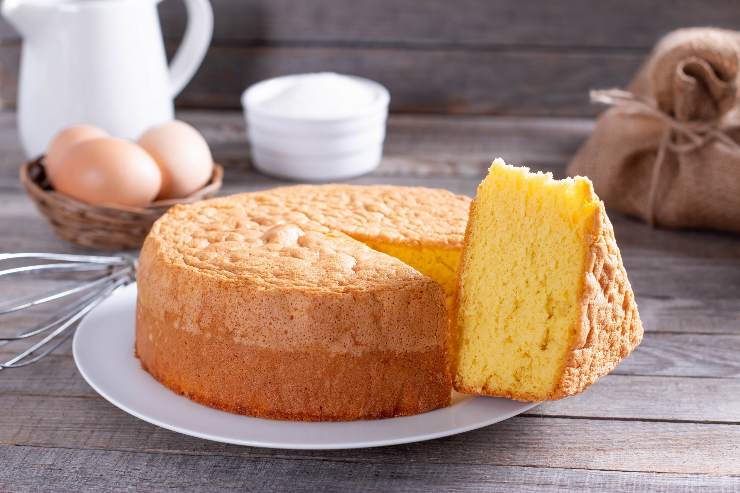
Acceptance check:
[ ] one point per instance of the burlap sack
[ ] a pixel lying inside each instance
(668, 150)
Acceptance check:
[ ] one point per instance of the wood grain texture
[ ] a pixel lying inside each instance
(449, 81)
(468, 57)
(486, 82)
(109, 471)
(563, 24)
(686, 314)
(533, 441)
(696, 355)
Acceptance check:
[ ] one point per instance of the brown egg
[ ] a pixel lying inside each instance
(182, 155)
(64, 141)
(108, 171)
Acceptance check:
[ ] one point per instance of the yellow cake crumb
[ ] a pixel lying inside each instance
(523, 287)
(436, 262)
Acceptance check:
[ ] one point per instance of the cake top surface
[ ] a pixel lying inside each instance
(307, 236)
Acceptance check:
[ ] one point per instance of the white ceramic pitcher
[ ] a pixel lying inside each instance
(100, 62)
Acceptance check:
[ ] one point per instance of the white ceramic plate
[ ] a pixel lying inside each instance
(104, 353)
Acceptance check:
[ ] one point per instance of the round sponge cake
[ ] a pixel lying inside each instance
(272, 303)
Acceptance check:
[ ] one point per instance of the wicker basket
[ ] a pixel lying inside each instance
(97, 226)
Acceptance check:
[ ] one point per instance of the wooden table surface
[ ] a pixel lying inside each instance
(667, 419)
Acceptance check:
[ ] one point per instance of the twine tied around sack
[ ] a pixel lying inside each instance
(679, 136)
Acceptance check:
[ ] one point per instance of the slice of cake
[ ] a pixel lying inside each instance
(544, 307)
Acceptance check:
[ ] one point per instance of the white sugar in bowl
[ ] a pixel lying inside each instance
(316, 127)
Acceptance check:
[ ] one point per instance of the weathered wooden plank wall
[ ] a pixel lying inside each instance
(504, 57)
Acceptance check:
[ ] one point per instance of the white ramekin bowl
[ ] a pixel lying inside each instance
(317, 148)
(324, 145)
(316, 168)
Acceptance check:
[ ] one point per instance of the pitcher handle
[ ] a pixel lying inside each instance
(194, 44)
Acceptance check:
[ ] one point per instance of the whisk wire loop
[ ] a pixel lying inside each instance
(23, 303)
(111, 273)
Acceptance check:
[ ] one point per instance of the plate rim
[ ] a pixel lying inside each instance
(90, 379)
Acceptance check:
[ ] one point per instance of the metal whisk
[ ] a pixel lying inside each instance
(100, 275)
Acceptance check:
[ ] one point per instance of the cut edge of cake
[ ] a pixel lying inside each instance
(608, 327)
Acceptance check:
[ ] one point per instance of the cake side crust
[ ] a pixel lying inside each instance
(309, 385)
(290, 354)
(610, 326)
(319, 407)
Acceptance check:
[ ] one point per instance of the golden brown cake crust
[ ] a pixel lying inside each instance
(610, 324)
(609, 328)
(264, 304)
